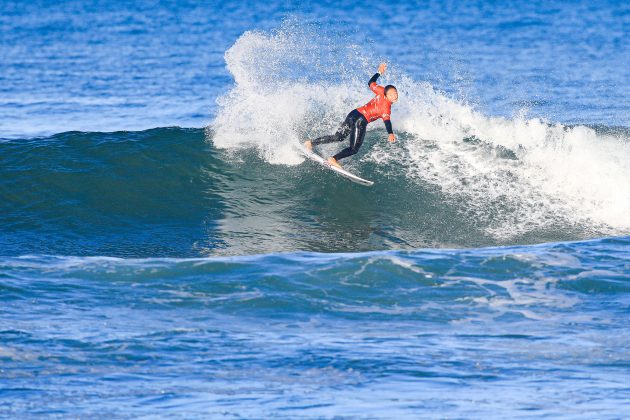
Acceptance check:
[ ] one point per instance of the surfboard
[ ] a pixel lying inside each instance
(317, 158)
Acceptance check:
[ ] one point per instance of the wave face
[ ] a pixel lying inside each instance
(171, 192)
(391, 333)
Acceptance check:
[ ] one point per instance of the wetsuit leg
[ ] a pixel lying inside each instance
(343, 130)
(356, 139)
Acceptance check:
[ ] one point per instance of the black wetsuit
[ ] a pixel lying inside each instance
(355, 124)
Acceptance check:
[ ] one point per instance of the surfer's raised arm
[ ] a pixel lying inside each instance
(357, 120)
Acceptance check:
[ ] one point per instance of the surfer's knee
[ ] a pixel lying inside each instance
(342, 134)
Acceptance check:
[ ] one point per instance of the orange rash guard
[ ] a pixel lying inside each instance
(379, 106)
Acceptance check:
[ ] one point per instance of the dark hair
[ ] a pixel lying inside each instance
(388, 87)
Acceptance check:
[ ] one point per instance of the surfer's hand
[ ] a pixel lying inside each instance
(392, 138)
(382, 67)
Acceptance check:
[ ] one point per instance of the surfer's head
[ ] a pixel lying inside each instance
(391, 93)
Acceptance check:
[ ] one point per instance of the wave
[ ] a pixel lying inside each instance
(455, 178)
(169, 192)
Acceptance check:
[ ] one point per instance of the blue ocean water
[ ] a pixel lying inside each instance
(165, 252)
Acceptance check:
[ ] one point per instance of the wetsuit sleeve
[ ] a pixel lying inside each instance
(374, 87)
(374, 78)
(388, 126)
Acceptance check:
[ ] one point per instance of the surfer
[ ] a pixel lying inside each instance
(357, 120)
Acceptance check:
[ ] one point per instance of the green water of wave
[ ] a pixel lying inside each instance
(169, 192)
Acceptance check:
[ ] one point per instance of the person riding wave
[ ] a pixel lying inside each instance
(357, 120)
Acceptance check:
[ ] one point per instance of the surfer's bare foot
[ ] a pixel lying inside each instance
(334, 162)
(309, 145)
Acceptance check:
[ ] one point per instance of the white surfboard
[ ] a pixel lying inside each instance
(317, 158)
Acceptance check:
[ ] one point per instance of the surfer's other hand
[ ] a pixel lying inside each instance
(392, 138)
(382, 67)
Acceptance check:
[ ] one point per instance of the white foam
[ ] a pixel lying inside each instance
(515, 175)
(556, 173)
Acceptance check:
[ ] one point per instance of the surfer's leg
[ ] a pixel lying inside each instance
(341, 133)
(356, 139)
